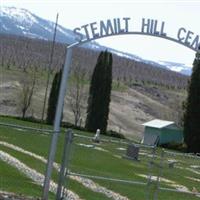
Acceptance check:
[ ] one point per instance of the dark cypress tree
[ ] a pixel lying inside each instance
(192, 113)
(99, 94)
(53, 97)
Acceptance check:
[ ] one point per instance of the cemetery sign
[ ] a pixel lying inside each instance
(122, 26)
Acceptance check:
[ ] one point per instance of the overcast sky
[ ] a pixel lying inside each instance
(175, 14)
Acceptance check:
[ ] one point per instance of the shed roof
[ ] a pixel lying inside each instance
(157, 123)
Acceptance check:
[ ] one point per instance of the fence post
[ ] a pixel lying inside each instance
(150, 169)
(159, 174)
(65, 162)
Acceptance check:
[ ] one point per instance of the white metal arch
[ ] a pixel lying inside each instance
(133, 33)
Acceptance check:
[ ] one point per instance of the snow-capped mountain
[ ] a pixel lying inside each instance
(22, 22)
(177, 67)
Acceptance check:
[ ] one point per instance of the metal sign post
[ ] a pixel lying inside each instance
(57, 121)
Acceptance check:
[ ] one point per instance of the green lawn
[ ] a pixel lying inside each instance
(104, 159)
(12, 180)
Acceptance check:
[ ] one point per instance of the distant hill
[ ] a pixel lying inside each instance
(23, 52)
(24, 23)
(140, 92)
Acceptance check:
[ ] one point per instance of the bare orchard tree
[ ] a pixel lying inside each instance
(76, 92)
(26, 91)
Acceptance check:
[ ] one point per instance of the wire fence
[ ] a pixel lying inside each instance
(115, 164)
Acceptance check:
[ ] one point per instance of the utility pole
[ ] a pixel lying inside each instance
(49, 69)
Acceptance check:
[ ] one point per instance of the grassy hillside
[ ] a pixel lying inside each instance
(141, 92)
(140, 102)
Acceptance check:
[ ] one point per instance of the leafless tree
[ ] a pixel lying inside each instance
(26, 92)
(77, 92)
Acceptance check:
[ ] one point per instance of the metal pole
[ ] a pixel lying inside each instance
(65, 162)
(150, 170)
(159, 176)
(57, 121)
(49, 68)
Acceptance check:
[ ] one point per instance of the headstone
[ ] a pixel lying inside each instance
(97, 136)
(132, 152)
(171, 163)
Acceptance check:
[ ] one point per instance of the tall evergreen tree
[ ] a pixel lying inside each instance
(53, 97)
(99, 94)
(192, 113)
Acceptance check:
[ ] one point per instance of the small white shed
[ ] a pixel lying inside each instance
(161, 132)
